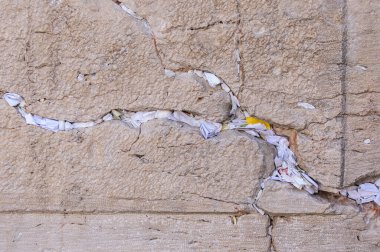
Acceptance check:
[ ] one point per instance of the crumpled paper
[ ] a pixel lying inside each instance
(210, 129)
(15, 100)
(287, 169)
(364, 193)
(214, 81)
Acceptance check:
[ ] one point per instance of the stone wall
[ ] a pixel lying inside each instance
(163, 187)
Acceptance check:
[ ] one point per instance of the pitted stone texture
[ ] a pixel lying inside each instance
(363, 91)
(362, 158)
(114, 53)
(282, 198)
(195, 34)
(291, 51)
(324, 233)
(13, 37)
(135, 232)
(110, 167)
(319, 149)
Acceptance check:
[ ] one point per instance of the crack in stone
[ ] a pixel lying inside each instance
(225, 87)
(238, 51)
(146, 24)
(205, 27)
(269, 229)
(215, 199)
(211, 78)
(343, 90)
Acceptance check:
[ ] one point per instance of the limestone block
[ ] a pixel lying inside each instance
(132, 232)
(323, 233)
(195, 35)
(363, 91)
(281, 199)
(362, 148)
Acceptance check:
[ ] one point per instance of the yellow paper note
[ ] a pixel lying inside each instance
(253, 120)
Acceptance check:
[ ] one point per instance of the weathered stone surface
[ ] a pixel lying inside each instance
(324, 233)
(363, 91)
(195, 35)
(291, 51)
(13, 36)
(168, 167)
(290, 54)
(115, 54)
(362, 159)
(280, 198)
(322, 52)
(132, 232)
(320, 151)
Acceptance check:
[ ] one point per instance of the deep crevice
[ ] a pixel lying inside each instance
(343, 69)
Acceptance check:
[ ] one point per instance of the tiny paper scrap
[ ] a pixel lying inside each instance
(253, 120)
(130, 12)
(225, 87)
(234, 103)
(81, 77)
(79, 125)
(169, 73)
(364, 193)
(13, 99)
(240, 124)
(199, 73)
(141, 117)
(107, 117)
(163, 114)
(212, 80)
(367, 141)
(182, 117)
(210, 129)
(116, 114)
(305, 105)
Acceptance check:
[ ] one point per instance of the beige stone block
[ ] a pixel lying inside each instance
(132, 232)
(362, 87)
(195, 35)
(319, 149)
(13, 38)
(291, 51)
(362, 148)
(324, 233)
(282, 199)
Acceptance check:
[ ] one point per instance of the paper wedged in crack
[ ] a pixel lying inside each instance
(364, 193)
(167, 167)
(210, 129)
(287, 169)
